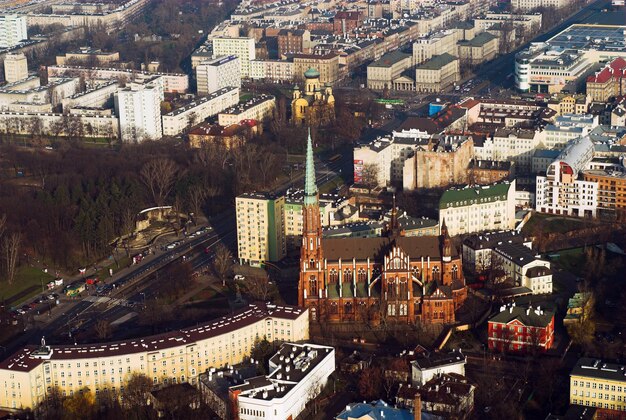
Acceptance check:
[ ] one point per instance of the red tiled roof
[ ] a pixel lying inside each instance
(616, 69)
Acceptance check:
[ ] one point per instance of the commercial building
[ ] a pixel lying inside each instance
(430, 365)
(138, 107)
(15, 67)
(259, 108)
(383, 72)
(516, 329)
(560, 191)
(197, 111)
(241, 47)
(437, 73)
(177, 356)
(297, 374)
(598, 383)
(260, 232)
(13, 30)
(478, 209)
(218, 73)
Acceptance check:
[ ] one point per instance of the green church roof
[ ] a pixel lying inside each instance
(311, 73)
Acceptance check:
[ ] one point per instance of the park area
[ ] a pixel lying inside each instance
(28, 282)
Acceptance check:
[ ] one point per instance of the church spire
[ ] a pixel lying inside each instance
(310, 187)
(446, 243)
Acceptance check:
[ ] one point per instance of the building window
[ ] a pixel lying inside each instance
(313, 286)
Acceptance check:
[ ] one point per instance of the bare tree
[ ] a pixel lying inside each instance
(11, 254)
(258, 287)
(103, 329)
(135, 394)
(223, 262)
(159, 176)
(369, 175)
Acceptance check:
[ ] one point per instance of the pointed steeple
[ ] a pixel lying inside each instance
(446, 243)
(310, 187)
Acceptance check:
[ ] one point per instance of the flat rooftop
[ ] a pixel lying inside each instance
(587, 37)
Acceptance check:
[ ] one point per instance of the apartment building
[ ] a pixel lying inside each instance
(297, 374)
(258, 108)
(89, 56)
(477, 209)
(52, 93)
(241, 47)
(21, 122)
(570, 103)
(138, 107)
(383, 72)
(383, 160)
(15, 67)
(478, 249)
(611, 191)
(260, 231)
(560, 191)
(523, 267)
(437, 74)
(218, 73)
(566, 128)
(512, 144)
(326, 64)
(600, 384)
(272, 70)
(441, 42)
(528, 5)
(13, 30)
(516, 329)
(430, 365)
(292, 41)
(608, 82)
(524, 24)
(98, 96)
(197, 111)
(177, 356)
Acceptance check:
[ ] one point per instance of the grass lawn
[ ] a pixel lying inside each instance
(27, 284)
(571, 260)
(122, 263)
(552, 224)
(331, 185)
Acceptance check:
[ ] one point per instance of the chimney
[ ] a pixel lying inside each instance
(417, 407)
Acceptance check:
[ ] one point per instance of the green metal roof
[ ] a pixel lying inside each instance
(474, 195)
(311, 73)
(310, 188)
(437, 62)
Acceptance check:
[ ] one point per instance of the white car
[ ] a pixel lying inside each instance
(239, 277)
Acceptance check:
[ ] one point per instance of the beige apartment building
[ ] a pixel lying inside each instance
(258, 108)
(327, 66)
(241, 47)
(177, 356)
(88, 55)
(438, 73)
(527, 5)
(260, 232)
(442, 42)
(596, 383)
(15, 67)
(483, 47)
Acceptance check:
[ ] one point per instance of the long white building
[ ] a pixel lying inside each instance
(241, 47)
(13, 30)
(139, 110)
(298, 373)
(197, 111)
(177, 356)
(218, 73)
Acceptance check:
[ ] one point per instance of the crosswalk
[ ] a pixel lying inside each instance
(99, 300)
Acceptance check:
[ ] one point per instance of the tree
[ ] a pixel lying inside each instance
(223, 262)
(261, 352)
(103, 329)
(370, 383)
(159, 176)
(258, 287)
(81, 405)
(11, 254)
(135, 395)
(369, 175)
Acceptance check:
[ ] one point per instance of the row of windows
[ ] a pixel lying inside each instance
(594, 385)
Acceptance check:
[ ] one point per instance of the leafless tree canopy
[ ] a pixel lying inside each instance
(159, 176)
(11, 254)
(223, 262)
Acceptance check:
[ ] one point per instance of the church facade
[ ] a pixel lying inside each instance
(398, 278)
(315, 106)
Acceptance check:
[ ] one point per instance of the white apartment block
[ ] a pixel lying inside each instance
(260, 231)
(272, 70)
(298, 373)
(528, 5)
(258, 108)
(96, 97)
(510, 144)
(426, 367)
(218, 73)
(139, 110)
(13, 30)
(560, 191)
(478, 209)
(15, 67)
(22, 123)
(567, 128)
(174, 357)
(241, 47)
(197, 111)
(386, 157)
(53, 92)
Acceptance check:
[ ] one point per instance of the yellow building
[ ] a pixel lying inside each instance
(174, 357)
(438, 73)
(315, 105)
(569, 104)
(260, 232)
(595, 383)
(483, 47)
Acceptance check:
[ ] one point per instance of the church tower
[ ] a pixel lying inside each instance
(311, 284)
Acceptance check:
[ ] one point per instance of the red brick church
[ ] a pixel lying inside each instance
(403, 279)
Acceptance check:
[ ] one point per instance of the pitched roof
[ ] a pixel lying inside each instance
(436, 62)
(364, 248)
(474, 195)
(529, 317)
(390, 59)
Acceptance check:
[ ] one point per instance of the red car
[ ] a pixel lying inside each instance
(93, 280)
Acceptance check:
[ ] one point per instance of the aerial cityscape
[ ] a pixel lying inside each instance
(313, 209)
